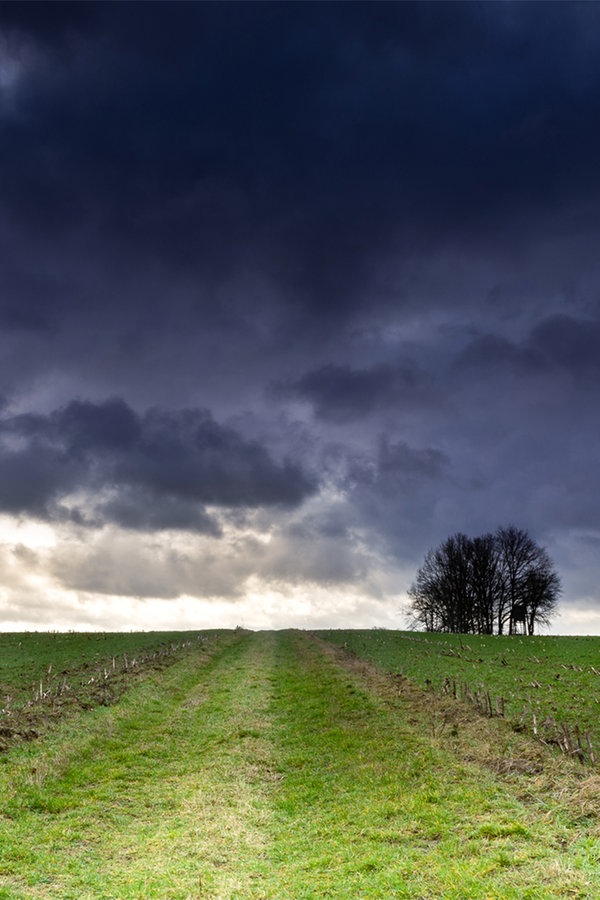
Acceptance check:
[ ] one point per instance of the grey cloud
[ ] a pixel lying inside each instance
(497, 354)
(570, 343)
(208, 159)
(141, 510)
(124, 565)
(341, 393)
(33, 478)
(395, 494)
(363, 235)
(308, 556)
(298, 553)
(560, 344)
(108, 427)
(398, 467)
(163, 467)
(189, 455)
(399, 461)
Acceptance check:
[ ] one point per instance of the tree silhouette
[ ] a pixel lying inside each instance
(492, 583)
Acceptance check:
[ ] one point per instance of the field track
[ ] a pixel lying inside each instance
(263, 765)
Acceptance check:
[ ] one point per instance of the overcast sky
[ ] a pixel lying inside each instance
(289, 293)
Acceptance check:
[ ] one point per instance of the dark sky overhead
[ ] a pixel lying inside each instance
(289, 293)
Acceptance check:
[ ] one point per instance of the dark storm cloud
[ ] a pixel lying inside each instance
(306, 142)
(398, 469)
(341, 393)
(396, 492)
(32, 478)
(558, 344)
(160, 468)
(497, 354)
(364, 235)
(144, 509)
(569, 343)
(399, 461)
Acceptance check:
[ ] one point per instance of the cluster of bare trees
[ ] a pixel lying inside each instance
(497, 583)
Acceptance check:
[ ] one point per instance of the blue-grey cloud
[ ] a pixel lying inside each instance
(492, 353)
(307, 142)
(364, 236)
(342, 393)
(161, 468)
(569, 343)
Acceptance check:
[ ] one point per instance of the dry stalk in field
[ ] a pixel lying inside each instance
(569, 739)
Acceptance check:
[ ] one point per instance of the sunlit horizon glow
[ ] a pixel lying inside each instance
(257, 606)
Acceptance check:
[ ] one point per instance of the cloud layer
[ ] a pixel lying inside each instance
(159, 470)
(289, 293)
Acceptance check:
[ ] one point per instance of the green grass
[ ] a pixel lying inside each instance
(27, 658)
(546, 676)
(374, 807)
(46, 677)
(259, 766)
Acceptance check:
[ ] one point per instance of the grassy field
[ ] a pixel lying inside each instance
(26, 659)
(44, 676)
(540, 683)
(268, 765)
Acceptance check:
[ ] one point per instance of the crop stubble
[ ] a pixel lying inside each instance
(269, 766)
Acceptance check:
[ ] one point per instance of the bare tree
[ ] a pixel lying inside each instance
(478, 585)
(485, 575)
(540, 595)
(528, 581)
(442, 595)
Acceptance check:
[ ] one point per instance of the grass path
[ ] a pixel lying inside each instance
(261, 768)
(163, 796)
